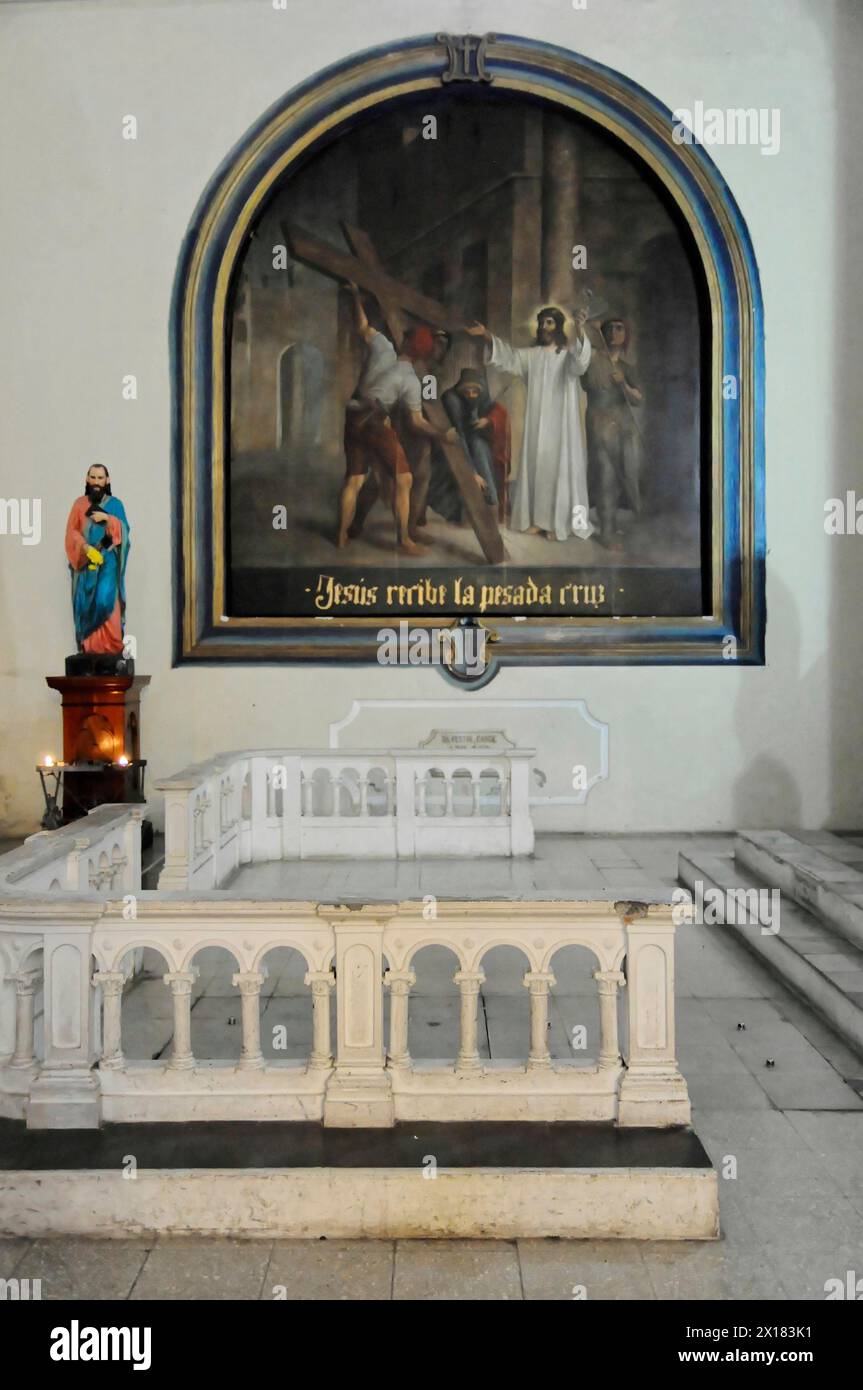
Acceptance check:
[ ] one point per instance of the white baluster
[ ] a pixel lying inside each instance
(111, 983)
(538, 982)
(26, 984)
(180, 983)
(469, 983)
(249, 983)
(321, 982)
(607, 982)
(400, 983)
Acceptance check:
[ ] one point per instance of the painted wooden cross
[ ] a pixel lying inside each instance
(363, 266)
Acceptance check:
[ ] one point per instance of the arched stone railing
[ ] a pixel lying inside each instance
(403, 803)
(79, 1077)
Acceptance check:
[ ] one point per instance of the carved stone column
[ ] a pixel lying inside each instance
(607, 982)
(249, 983)
(26, 984)
(111, 983)
(400, 983)
(180, 983)
(538, 982)
(469, 982)
(321, 982)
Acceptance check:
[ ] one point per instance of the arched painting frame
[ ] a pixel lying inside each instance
(733, 630)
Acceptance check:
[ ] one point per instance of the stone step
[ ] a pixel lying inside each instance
(297, 1180)
(806, 954)
(812, 874)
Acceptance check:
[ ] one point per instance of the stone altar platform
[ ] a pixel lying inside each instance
(72, 1073)
(486, 1181)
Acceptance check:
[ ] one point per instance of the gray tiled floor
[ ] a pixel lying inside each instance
(787, 1140)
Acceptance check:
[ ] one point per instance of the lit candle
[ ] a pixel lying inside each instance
(48, 762)
(123, 761)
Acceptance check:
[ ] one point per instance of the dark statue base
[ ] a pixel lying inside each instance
(99, 664)
(101, 726)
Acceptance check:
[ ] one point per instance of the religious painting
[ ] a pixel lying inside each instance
(472, 369)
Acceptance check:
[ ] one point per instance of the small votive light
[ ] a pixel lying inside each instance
(48, 761)
(123, 761)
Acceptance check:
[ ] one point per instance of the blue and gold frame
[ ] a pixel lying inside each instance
(732, 628)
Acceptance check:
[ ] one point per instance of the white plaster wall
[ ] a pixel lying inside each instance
(91, 227)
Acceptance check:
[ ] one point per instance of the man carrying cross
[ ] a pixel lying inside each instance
(362, 266)
(387, 383)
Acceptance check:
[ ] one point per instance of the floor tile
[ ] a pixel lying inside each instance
(790, 1089)
(837, 1140)
(803, 1221)
(709, 1270)
(330, 1269)
(723, 1092)
(811, 1273)
(714, 1058)
(84, 1269)
(456, 1270)
(560, 1270)
(434, 1028)
(12, 1251)
(205, 1269)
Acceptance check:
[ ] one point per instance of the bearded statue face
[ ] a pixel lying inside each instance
(97, 483)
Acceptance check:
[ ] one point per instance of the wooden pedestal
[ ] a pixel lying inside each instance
(101, 723)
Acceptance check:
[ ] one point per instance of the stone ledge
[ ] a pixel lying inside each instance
(367, 1203)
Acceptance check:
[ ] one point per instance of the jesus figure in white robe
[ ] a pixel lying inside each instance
(550, 493)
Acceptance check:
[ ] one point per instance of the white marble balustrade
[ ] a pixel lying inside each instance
(100, 853)
(76, 1074)
(251, 807)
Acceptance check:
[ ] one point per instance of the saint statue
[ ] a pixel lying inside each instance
(97, 548)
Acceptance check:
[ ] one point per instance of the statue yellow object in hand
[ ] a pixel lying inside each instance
(95, 557)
